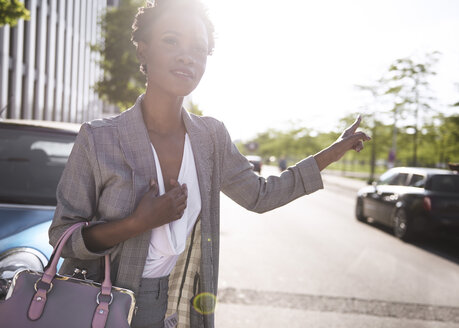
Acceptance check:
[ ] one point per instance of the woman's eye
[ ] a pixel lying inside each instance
(170, 41)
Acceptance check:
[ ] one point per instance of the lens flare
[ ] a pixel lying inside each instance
(204, 303)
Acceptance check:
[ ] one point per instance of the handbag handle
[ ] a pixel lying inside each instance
(38, 302)
(51, 267)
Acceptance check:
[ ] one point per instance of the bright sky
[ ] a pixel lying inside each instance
(298, 60)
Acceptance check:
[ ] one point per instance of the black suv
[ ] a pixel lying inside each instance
(412, 201)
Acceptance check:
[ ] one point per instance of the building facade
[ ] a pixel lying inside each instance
(47, 69)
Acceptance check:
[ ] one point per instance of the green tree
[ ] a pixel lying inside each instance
(11, 11)
(294, 143)
(122, 81)
(407, 82)
(449, 139)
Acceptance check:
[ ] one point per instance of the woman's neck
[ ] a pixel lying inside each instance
(162, 114)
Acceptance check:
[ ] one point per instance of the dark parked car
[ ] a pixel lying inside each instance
(32, 157)
(412, 201)
(256, 162)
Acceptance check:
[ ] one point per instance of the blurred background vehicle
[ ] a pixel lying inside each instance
(256, 162)
(282, 164)
(33, 155)
(412, 201)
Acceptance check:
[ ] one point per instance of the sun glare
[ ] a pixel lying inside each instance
(278, 61)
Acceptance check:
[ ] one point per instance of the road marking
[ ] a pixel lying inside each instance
(411, 311)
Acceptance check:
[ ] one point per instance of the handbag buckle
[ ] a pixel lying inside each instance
(36, 286)
(79, 271)
(111, 298)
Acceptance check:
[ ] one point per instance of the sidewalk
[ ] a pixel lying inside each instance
(252, 316)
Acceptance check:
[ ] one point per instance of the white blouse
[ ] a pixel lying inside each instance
(168, 241)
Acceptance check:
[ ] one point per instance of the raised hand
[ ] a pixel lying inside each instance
(349, 139)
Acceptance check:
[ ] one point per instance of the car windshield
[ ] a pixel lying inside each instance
(387, 177)
(31, 164)
(444, 183)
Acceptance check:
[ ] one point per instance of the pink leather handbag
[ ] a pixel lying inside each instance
(40, 300)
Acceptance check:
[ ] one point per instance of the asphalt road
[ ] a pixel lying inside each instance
(311, 264)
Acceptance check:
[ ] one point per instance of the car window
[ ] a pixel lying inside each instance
(399, 180)
(56, 151)
(386, 177)
(444, 183)
(31, 164)
(417, 180)
(393, 178)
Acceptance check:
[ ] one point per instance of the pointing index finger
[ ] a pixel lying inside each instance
(356, 124)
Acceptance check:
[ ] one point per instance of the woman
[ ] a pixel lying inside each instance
(150, 178)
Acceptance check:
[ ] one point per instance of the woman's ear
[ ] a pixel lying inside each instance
(142, 51)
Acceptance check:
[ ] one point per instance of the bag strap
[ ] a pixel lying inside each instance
(44, 285)
(101, 314)
(66, 233)
(51, 267)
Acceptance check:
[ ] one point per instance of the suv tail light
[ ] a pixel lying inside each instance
(427, 203)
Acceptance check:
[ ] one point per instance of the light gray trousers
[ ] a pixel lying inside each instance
(151, 303)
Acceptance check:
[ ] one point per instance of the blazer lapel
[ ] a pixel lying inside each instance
(202, 146)
(135, 144)
(203, 149)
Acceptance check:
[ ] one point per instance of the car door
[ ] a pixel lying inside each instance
(390, 195)
(372, 201)
(387, 196)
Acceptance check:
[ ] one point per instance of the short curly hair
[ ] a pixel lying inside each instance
(147, 15)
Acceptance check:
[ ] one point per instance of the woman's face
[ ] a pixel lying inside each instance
(175, 53)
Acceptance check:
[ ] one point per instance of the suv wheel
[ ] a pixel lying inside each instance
(403, 227)
(359, 210)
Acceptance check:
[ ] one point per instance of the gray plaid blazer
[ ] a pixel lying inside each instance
(109, 171)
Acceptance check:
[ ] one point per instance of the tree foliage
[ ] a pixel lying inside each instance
(407, 84)
(402, 95)
(401, 101)
(292, 144)
(122, 81)
(11, 11)
(438, 144)
(194, 108)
